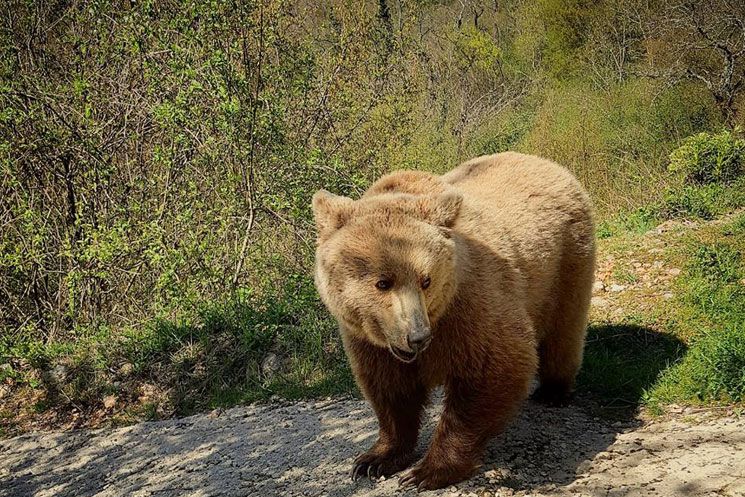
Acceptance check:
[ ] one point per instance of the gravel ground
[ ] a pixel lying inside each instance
(305, 449)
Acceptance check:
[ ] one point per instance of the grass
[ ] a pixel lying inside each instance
(637, 221)
(622, 361)
(680, 201)
(713, 300)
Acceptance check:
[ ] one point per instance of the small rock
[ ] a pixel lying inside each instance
(109, 402)
(59, 373)
(673, 271)
(615, 287)
(126, 369)
(598, 286)
(668, 295)
(270, 365)
(599, 302)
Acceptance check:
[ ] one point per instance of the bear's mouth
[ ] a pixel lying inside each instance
(402, 355)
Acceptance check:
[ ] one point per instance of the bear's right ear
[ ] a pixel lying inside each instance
(331, 212)
(441, 209)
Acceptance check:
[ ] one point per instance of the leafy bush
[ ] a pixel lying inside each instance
(704, 202)
(707, 158)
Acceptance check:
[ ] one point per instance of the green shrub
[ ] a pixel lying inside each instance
(704, 202)
(707, 158)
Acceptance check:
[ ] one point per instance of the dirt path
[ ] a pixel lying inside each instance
(305, 448)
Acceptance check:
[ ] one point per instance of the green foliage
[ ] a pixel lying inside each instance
(717, 263)
(707, 158)
(704, 202)
(616, 140)
(637, 221)
(679, 201)
(479, 48)
(504, 134)
(212, 360)
(565, 25)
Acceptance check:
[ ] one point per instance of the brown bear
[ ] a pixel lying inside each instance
(476, 280)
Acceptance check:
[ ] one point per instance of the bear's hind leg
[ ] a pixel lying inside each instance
(563, 341)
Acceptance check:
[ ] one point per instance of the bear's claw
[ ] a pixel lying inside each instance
(426, 476)
(375, 465)
(419, 480)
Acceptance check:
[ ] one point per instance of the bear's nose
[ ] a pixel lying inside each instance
(419, 339)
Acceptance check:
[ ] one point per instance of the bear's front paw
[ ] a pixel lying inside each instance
(428, 475)
(375, 463)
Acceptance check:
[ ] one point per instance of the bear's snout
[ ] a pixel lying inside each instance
(419, 339)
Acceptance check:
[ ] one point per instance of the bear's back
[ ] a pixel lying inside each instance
(529, 210)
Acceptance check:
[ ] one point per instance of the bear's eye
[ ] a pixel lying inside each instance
(384, 285)
(425, 282)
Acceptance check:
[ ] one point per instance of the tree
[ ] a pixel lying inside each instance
(706, 43)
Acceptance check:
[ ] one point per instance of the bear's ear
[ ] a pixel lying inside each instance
(442, 209)
(331, 212)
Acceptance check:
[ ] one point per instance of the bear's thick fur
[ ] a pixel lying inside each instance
(476, 280)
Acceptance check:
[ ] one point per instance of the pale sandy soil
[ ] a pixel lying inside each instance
(305, 449)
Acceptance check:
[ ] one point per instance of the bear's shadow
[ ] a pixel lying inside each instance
(546, 446)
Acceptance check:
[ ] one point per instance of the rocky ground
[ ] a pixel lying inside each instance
(305, 449)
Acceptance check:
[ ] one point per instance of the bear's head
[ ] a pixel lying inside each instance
(386, 265)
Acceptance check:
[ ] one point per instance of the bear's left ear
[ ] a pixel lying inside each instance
(442, 209)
